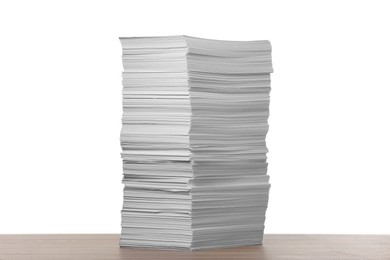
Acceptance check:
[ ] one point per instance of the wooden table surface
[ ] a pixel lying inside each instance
(88, 247)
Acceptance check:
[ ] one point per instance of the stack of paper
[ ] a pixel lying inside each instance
(195, 117)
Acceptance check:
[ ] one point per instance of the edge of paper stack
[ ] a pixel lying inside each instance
(195, 118)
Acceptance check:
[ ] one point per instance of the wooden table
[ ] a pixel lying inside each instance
(88, 247)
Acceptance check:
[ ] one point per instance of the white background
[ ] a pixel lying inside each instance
(60, 108)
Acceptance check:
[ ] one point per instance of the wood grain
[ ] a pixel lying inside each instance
(88, 247)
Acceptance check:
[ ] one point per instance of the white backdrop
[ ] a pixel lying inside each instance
(60, 108)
